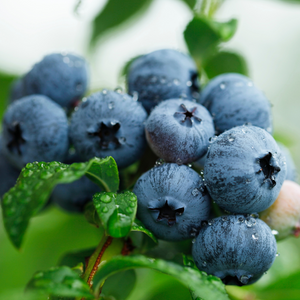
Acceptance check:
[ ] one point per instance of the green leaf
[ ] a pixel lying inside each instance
(91, 215)
(125, 281)
(203, 36)
(191, 3)
(115, 13)
(5, 83)
(60, 281)
(139, 226)
(36, 182)
(207, 287)
(225, 62)
(74, 258)
(116, 212)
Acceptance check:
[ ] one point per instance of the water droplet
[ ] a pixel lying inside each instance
(176, 82)
(244, 279)
(133, 199)
(210, 222)
(250, 222)
(129, 210)
(163, 80)
(241, 219)
(27, 173)
(255, 215)
(195, 192)
(135, 95)
(255, 236)
(132, 204)
(247, 124)
(231, 138)
(275, 232)
(111, 105)
(248, 181)
(105, 198)
(265, 273)
(193, 232)
(269, 129)
(224, 218)
(159, 162)
(104, 92)
(45, 174)
(189, 83)
(204, 263)
(29, 166)
(212, 139)
(119, 90)
(179, 162)
(222, 86)
(105, 209)
(193, 241)
(277, 254)
(66, 60)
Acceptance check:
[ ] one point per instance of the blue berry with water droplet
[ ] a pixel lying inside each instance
(62, 77)
(34, 129)
(234, 252)
(234, 100)
(161, 75)
(109, 124)
(172, 201)
(244, 170)
(179, 130)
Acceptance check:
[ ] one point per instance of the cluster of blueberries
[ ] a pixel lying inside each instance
(224, 130)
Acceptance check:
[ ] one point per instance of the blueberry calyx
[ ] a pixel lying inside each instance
(107, 135)
(268, 170)
(17, 139)
(167, 212)
(188, 115)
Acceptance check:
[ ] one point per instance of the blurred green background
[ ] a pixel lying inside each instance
(268, 37)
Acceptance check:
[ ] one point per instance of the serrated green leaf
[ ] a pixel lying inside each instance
(116, 12)
(139, 226)
(205, 286)
(225, 62)
(203, 36)
(125, 281)
(116, 212)
(36, 182)
(60, 281)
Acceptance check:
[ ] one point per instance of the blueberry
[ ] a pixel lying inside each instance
(233, 100)
(109, 124)
(237, 249)
(8, 174)
(179, 130)
(34, 129)
(61, 77)
(244, 170)
(283, 216)
(17, 90)
(172, 201)
(161, 75)
(290, 165)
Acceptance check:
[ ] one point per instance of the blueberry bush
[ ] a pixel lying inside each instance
(180, 188)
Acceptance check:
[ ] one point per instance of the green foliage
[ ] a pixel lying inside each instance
(225, 62)
(36, 182)
(115, 13)
(191, 3)
(60, 281)
(5, 84)
(119, 285)
(116, 212)
(202, 285)
(203, 36)
(139, 226)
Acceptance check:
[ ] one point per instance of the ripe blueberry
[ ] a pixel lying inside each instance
(290, 165)
(233, 100)
(179, 130)
(61, 77)
(172, 201)
(237, 249)
(161, 75)
(34, 129)
(109, 124)
(244, 169)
